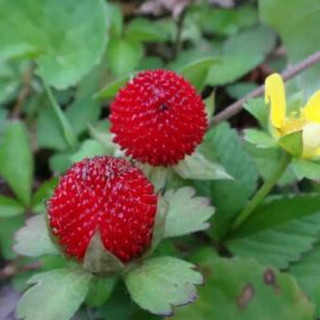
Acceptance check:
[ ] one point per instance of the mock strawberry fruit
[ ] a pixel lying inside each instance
(158, 118)
(108, 195)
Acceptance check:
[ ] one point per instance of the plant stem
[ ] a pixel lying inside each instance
(237, 106)
(263, 191)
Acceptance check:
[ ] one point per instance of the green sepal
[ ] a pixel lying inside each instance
(306, 169)
(159, 226)
(98, 260)
(292, 143)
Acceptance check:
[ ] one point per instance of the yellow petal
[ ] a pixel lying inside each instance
(276, 96)
(311, 139)
(312, 109)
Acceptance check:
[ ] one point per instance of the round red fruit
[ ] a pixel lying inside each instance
(105, 195)
(158, 118)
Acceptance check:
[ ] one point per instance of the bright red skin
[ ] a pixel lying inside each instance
(105, 194)
(158, 118)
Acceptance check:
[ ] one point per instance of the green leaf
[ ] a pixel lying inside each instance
(42, 194)
(196, 71)
(186, 213)
(306, 169)
(10, 207)
(242, 289)
(304, 20)
(306, 272)
(16, 163)
(240, 89)
(280, 231)
(33, 240)
(88, 149)
(55, 294)
(52, 35)
(260, 138)
(114, 14)
(111, 89)
(241, 53)
(224, 22)
(100, 291)
(8, 227)
(230, 196)
(159, 283)
(123, 55)
(292, 143)
(49, 133)
(258, 109)
(198, 167)
(266, 160)
(141, 29)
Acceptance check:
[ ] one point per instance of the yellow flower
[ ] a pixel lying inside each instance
(306, 121)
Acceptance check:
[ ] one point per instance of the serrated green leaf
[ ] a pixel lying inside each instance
(241, 53)
(100, 291)
(186, 213)
(258, 109)
(229, 197)
(89, 148)
(159, 283)
(240, 89)
(123, 55)
(55, 294)
(33, 239)
(280, 231)
(8, 227)
(111, 89)
(306, 169)
(10, 207)
(196, 71)
(141, 29)
(259, 138)
(198, 167)
(61, 51)
(266, 161)
(16, 163)
(306, 272)
(303, 21)
(42, 194)
(242, 289)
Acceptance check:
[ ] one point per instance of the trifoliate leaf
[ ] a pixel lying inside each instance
(33, 239)
(160, 283)
(186, 213)
(10, 207)
(55, 294)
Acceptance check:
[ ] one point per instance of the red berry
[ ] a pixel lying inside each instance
(158, 118)
(108, 195)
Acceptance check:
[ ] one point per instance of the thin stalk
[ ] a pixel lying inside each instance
(263, 191)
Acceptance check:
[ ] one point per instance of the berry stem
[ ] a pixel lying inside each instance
(263, 191)
(67, 130)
